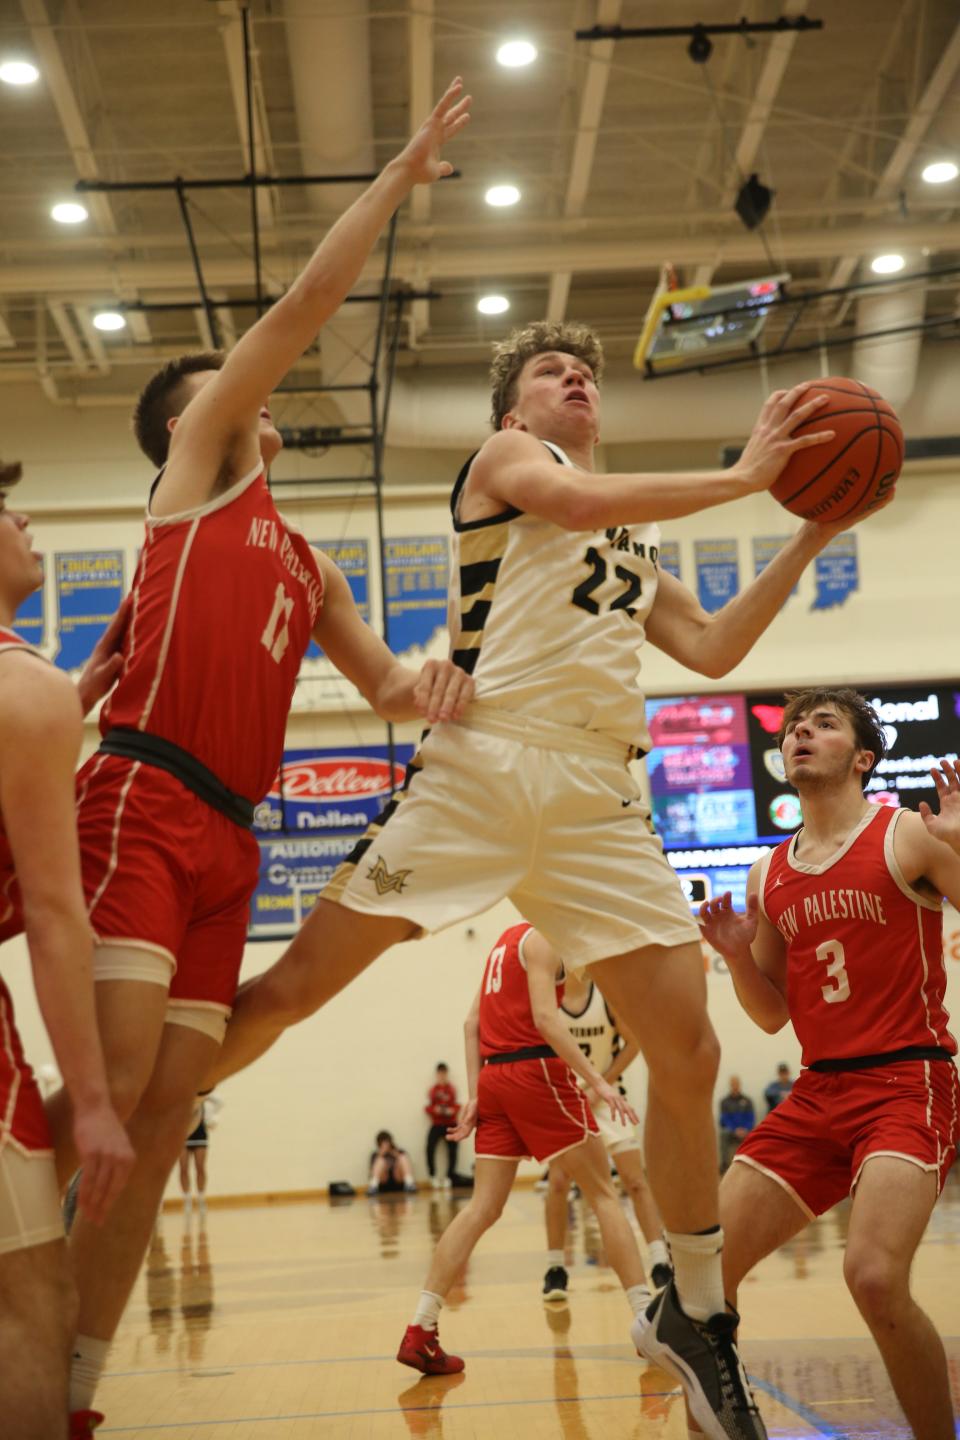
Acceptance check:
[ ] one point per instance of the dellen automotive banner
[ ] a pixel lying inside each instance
(317, 808)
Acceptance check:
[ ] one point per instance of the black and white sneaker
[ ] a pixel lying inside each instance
(555, 1283)
(703, 1357)
(661, 1275)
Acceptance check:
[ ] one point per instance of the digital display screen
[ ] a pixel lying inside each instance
(718, 790)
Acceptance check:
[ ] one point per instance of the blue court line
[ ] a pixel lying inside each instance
(381, 1410)
(796, 1406)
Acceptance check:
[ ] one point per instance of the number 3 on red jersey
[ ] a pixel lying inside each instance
(831, 952)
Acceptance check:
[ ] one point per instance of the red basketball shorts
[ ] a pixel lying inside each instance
(530, 1107)
(163, 871)
(816, 1141)
(23, 1121)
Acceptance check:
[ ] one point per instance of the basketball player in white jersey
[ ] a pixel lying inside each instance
(594, 1027)
(40, 732)
(557, 584)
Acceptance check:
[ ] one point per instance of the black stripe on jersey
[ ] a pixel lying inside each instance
(476, 617)
(466, 660)
(474, 577)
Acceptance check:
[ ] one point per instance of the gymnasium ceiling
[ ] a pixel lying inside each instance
(627, 155)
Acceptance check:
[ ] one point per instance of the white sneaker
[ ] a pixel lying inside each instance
(447, 1183)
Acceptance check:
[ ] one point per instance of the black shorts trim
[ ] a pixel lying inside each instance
(528, 1052)
(889, 1057)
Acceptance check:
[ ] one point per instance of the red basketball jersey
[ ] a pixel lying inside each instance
(506, 1020)
(9, 895)
(225, 598)
(865, 970)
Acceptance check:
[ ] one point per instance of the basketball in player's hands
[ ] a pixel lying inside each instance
(855, 472)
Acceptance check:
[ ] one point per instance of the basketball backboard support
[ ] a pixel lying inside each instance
(685, 324)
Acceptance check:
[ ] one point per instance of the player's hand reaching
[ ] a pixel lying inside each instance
(466, 1124)
(102, 670)
(726, 930)
(620, 1107)
(945, 826)
(443, 691)
(421, 157)
(772, 441)
(106, 1159)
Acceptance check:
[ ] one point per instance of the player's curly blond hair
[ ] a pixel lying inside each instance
(510, 356)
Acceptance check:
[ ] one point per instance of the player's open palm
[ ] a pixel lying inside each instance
(945, 826)
(772, 441)
(449, 116)
(725, 929)
(106, 1159)
(466, 1124)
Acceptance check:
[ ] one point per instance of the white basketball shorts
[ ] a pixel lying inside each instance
(498, 806)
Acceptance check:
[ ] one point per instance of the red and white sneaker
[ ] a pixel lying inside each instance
(421, 1350)
(83, 1423)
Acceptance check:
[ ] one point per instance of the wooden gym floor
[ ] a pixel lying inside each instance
(281, 1322)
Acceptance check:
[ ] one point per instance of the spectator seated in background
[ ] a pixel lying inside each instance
(737, 1119)
(390, 1168)
(779, 1088)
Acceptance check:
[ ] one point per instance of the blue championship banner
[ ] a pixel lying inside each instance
(89, 590)
(315, 812)
(30, 622)
(352, 559)
(764, 549)
(669, 557)
(417, 570)
(836, 572)
(718, 572)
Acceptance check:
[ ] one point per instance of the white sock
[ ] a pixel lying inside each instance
(87, 1360)
(639, 1297)
(427, 1313)
(555, 1257)
(658, 1253)
(697, 1272)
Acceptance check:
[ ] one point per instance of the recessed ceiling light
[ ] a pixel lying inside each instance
(18, 72)
(887, 264)
(500, 195)
(938, 172)
(109, 320)
(493, 304)
(68, 212)
(515, 53)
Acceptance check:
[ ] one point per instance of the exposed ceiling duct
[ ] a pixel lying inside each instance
(889, 363)
(330, 69)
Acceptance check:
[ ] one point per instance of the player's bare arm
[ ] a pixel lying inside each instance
(714, 644)
(514, 469)
(471, 1044)
(102, 670)
(625, 1056)
(440, 690)
(215, 440)
(754, 951)
(927, 845)
(40, 730)
(544, 969)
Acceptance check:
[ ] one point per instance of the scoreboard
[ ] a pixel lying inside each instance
(718, 790)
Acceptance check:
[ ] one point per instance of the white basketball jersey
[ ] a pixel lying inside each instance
(549, 621)
(594, 1031)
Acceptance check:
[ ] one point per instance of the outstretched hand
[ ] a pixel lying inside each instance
(725, 929)
(772, 441)
(421, 156)
(620, 1107)
(945, 825)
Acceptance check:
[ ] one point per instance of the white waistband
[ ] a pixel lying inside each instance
(544, 734)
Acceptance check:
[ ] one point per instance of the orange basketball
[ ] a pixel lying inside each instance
(849, 475)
